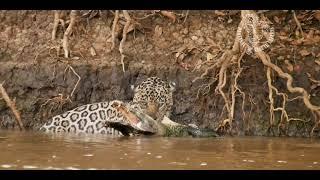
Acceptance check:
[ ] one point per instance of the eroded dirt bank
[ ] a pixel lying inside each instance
(40, 78)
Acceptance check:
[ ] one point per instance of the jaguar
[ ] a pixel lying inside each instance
(155, 97)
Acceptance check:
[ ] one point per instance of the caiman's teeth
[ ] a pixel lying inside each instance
(139, 125)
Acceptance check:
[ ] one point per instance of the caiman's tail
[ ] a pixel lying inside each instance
(201, 132)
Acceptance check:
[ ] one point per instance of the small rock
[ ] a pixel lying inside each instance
(200, 40)
(280, 58)
(88, 155)
(282, 161)
(185, 31)
(29, 167)
(194, 38)
(203, 164)
(158, 31)
(175, 35)
(198, 33)
(6, 166)
(304, 52)
(93, 51)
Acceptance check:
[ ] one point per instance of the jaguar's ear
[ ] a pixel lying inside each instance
(172, 85)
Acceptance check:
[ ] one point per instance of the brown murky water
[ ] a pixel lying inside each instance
(44, 151)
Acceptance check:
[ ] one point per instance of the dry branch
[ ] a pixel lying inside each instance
(12, 106)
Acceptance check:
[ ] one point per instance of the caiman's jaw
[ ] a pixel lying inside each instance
(136, 119)
(146, 123)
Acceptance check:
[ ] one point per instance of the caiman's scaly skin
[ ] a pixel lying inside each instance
(166, 127)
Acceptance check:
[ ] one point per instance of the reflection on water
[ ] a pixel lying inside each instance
(35, 150)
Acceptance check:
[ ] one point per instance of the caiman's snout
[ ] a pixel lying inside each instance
(146, 126)
(137, 119)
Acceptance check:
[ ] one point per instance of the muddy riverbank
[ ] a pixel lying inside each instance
(40, 79)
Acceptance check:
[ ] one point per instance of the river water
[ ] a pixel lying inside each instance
(35, 150)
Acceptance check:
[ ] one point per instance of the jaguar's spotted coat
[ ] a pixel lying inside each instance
(90, 118)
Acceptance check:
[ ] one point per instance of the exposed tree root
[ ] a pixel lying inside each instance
(12, 105)
(75, 73)
(169, 15)
(58, 14)
(114, 25)
(284, 118)
(65, 41)
(57, 102)
(298, 24)
(124, 36)
(306, 98)
(250, 35)
(236, 88)
(55, 24)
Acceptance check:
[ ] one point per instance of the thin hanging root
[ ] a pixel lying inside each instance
(234, 89)
(222, 83)
(60, 100)
(55, 24)
(185, 18)
(65, 42)
(12, 106)
(223, 77)
(114, 25)
(298, 24)
(124, 36)
(316, 109)
(224, 62)
(284, 118)
(217, 64)
(271, 106)
(79, 79)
